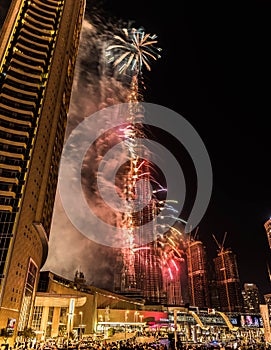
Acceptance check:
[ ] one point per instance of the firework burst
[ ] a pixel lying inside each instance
(133, 50)
(170, 251)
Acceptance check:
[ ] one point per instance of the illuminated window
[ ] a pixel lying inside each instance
(28, 295)
(37, 315)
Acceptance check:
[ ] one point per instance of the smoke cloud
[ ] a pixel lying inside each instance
(94, 88)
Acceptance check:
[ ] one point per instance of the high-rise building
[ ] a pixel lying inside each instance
(141, 269)
(38, 48)
(267, 300)
(197, 274)
(251, 298)
(228, 281)
(267, 226)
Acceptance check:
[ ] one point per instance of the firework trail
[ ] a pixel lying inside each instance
(150, 268)
(128, 56)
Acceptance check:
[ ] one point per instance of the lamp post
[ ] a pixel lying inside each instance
(81, 323)
(68, 329)
(126, 319)
(175, 328)
(140, 318)
(126, 315)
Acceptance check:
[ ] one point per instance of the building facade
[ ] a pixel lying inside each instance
(251, 298)
(267, 226)
(228, 281)
(63, 306)
(38, 48)
(267, 300)
(198, 274)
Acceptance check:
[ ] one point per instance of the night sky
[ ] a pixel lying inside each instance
(215, 72)
(3, 11)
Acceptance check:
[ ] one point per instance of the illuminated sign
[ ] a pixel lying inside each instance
(250, 321)
(11, 325)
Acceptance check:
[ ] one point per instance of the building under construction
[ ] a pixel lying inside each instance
(228, 281)
(197, 274)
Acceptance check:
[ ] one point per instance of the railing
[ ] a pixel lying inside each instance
(228, 322)
(198, 320)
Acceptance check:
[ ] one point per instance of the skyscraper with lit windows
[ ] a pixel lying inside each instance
(251, 298)
(38, 48)
(228, 281)
(197, 274)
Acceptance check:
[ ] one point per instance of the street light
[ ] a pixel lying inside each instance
(126, 318)
(135, 316)
(126, 315)
(81, 324)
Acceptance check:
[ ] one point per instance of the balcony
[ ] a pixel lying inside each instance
(13, 143)
(11, 155)
(18, 102)
(15, 91)
(41, 19)
(27, 67)
(21, 84)
(34, 45)
(23, 76)
(7, 194)
(10, 167)
(52, 7)
(19, 112)
(36, 28)
(14, 121)
(6, 208)
(41, 11)
(10, 180)
(23, 57)
(31, 52)
(39, 37)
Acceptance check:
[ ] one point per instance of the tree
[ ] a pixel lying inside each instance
(27, 333)
(111, 332)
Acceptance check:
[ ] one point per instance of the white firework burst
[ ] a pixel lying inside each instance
(134, 50)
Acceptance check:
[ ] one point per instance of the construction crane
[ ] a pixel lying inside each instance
(220, 245)
(192, 237)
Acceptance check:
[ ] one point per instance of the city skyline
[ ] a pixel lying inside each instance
(214, 71)
(101, 207)
(201, 83)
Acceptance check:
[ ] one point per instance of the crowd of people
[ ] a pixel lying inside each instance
(136, 343)
(132, 344)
